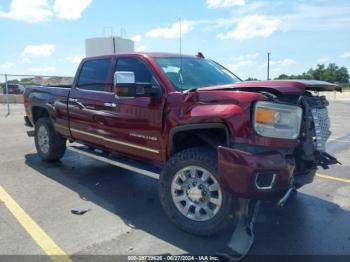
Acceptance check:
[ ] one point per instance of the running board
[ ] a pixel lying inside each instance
(119, 162)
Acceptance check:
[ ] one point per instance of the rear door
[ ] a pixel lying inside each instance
(88, 99)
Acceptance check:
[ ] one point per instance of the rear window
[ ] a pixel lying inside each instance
(94, 75)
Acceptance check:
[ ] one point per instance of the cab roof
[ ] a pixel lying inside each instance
(149, 54)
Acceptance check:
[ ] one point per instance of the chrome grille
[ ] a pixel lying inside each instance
(322, 127)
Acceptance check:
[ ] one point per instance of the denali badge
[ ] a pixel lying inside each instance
(143, 136)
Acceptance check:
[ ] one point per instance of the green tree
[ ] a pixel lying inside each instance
(252, 79)
(332, 73)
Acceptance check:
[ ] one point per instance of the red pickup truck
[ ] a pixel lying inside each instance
(213, 138)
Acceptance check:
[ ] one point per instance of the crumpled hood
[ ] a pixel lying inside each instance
(282, 86)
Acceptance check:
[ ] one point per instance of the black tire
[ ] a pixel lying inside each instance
(56, 143)
(204, 158)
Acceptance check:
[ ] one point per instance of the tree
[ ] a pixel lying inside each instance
(332, 73)
(252, 79)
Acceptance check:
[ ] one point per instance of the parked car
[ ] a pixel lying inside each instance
(14, 89)
(214, 138)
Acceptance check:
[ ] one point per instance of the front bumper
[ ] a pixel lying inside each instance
(240, 171)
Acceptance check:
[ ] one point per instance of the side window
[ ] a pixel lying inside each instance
(142, 73)
(94, 75)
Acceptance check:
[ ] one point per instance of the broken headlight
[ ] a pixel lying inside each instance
(277, 120)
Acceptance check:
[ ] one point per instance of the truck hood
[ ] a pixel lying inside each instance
(281, 86)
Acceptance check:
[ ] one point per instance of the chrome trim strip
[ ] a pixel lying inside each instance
(116, 163)
(61, 126)
(116, 141)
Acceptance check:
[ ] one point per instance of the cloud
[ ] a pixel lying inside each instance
(283, 62)
(141, 48)
(136, 38)
(345, 55)
(7, 65)
(276, 70)
(42, 70)
(75, 59)
(246, 57)
(33, 51)
(37, 11)
(70, 9)
(240, 64)
(171, 32)
(224, 3)
(323, 59)
(317, 17)
(31, 11)
(251, 27)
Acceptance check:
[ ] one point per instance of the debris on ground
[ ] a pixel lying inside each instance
(79, 212)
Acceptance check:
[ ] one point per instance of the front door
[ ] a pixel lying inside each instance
(135, 124)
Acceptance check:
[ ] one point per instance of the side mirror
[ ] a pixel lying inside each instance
(126, 87)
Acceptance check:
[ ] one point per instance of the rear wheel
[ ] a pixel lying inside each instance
(191, 194)
(49, 144)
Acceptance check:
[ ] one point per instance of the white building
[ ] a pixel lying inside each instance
(107, 45)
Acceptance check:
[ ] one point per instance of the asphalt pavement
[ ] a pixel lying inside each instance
(124, 216)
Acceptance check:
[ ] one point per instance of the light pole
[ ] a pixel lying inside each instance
(268, 66)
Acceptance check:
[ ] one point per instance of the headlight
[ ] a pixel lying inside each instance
(277, 120)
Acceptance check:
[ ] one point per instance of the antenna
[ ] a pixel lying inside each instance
(180, 43)
(180, 38)
(268, 66)
(108, 31)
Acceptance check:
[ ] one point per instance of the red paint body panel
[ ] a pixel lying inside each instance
(147, 123)
(238, 171)
(282, 86)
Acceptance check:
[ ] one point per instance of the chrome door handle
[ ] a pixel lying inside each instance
(75, 100)
(110, 104)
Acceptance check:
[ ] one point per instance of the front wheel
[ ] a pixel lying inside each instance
(191, 195)
(49, 144)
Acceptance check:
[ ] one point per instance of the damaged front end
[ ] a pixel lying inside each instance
(270, 172)
(315, 132)
(264, 172)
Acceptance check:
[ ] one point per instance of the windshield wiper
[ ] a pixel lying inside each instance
(190, 90)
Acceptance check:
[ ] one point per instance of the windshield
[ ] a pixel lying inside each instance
(190, 72)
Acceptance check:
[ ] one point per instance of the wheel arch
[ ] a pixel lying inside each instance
(38, 112)
(198, 133)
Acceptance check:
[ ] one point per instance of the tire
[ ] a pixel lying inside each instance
(49, 144)
(199, 160)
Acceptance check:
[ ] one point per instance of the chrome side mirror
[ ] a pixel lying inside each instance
(121, 77)
(125, 86)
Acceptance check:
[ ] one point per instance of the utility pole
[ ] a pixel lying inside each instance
(268, 66)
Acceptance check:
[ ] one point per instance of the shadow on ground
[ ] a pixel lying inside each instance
(307, 225)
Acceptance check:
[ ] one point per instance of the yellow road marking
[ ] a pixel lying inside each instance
(334, 178)
(39, 236)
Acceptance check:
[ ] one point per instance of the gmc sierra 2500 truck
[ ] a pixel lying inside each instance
(214, 139)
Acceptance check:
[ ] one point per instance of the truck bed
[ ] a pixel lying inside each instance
(54, 99)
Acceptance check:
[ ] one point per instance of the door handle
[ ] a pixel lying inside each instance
(75, 100)
(110, 104)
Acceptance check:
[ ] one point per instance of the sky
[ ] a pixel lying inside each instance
(47, 37)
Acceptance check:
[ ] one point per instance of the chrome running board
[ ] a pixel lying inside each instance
(122, 163)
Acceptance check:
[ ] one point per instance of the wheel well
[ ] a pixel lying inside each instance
(210, 137)
(38, 112)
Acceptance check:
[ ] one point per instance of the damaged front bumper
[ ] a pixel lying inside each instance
(262, 176)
